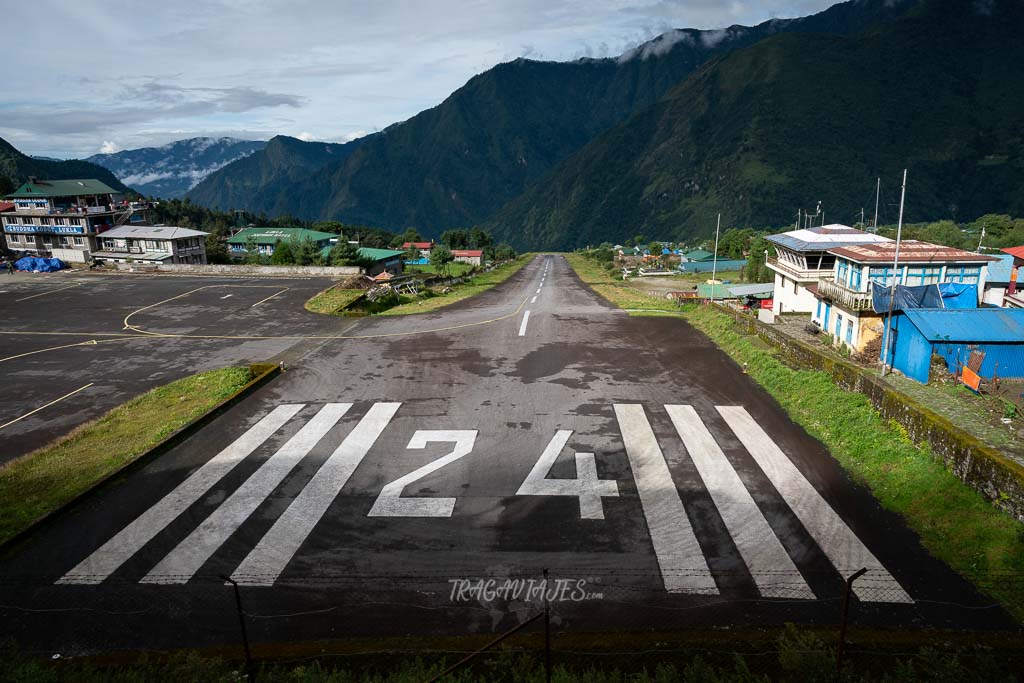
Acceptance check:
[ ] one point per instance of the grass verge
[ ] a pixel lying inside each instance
(44, 480)
(333, 301)
(955, 522)
(455, 269)
(476, 285)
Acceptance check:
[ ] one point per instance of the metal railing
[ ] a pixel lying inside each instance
(850, 299)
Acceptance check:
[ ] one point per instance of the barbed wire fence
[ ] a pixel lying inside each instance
(569, 616)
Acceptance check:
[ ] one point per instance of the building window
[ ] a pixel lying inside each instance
(15, 238)
(882, 276)
(47, 240)
(44, 221)
(817, 314)
(79, 242)
(849, 332)
(839, 324)
(842, 272)
(74, 221)
(856, 276)
(60, 221)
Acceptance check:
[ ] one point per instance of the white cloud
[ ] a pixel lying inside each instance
(334, 68)
(108, 147)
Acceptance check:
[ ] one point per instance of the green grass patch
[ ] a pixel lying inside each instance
(455, 269)
(42, 481)
(333, 301)
(476, 285)
(955, 522)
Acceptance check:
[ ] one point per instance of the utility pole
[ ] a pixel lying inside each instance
(878, 191)
(982, 239)
(862, 218)
(714, 264)
(895, 275)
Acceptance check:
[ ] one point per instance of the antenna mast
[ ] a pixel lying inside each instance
(895, 265)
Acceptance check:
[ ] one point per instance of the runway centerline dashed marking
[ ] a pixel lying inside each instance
(534, 299)
(522, 327)
(115, 552)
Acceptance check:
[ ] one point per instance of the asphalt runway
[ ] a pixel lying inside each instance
(417, 476)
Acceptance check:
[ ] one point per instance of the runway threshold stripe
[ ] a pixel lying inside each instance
(771, 567)
(115, 552)
(842, 547)
(188, 557)
(682, 563)
(522, 327)
(268, 559)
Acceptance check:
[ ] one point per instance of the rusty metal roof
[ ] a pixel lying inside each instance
(911, 251)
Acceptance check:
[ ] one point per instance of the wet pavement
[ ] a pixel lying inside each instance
(416, 476)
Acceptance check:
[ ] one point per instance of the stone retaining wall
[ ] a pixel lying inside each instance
(982, 467)
(242, 270)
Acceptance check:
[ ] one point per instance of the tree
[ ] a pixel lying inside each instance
(478, 239)
(337, 227)
(756, 270)
(284, 254)
(343, 254)
(455, 239)
(305, 252)
(410, 235)
(216, 249)
(504, 252)
(440, 257)
(252, 251)
(639, 240)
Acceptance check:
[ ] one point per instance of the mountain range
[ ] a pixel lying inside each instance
(172, 170)
(460, 162)
(15, 169)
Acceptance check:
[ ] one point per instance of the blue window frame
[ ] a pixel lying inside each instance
(881, 275)
(817, 314)
(856, 276)
(839, 325)
(841, 275)
(849, 332)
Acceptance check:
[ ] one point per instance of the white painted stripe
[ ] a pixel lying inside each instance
(56, 400)
(683, 567)
(129, 540)
(522, 327)
(534, 299)
(833, 536)
(227, 296)
(275, 550)
(188, 557)
(770, 565)
(269, 298)
(538, 290)
(50, 291)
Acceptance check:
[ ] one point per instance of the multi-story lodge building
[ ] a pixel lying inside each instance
(843, 307)
(63, 218)
(804, 258)
(154, 244)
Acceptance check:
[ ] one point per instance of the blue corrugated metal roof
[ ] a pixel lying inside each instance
(969, 325)
(999, 271)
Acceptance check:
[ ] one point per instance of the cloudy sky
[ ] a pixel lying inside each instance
(92, 75)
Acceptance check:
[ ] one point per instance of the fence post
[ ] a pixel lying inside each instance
(249, 670)
(845, 615)
(547, 630)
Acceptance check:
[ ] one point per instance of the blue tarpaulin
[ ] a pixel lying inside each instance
(35, 264)
(941, 295)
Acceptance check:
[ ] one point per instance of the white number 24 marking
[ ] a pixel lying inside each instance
(586, 486)
(390, 502)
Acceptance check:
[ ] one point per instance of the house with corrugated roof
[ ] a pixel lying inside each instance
(1014, 297)
(802, 258)
(266, 239)
(62, 218)
(844, 306)
(160, 244)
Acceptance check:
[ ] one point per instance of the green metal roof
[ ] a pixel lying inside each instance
(379, 254)
(61, 188)
(699, 255)
(706, 291)
(369, 252)
(275, 235)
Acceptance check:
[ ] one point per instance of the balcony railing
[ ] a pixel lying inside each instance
(796, 272)
(850, 299)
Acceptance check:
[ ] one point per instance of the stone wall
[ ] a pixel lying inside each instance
(242, 270)
(984, 468)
